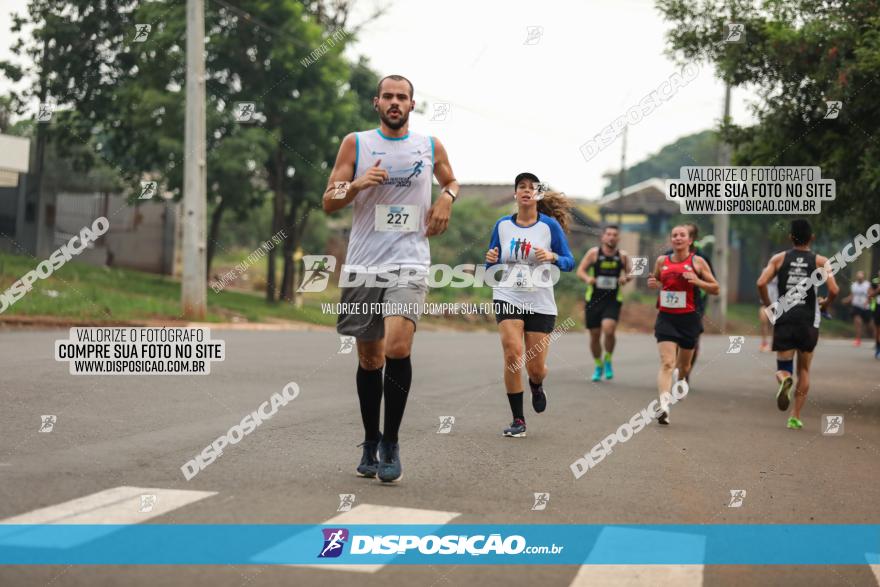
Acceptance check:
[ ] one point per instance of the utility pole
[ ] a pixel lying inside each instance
(193, 286)
(721, 248)
(622, 177)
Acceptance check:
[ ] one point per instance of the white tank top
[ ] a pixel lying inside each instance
(773, 289)
(378, 236)
(860, 295)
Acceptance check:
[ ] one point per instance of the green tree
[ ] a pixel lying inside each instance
(123, 98)
(798, 54)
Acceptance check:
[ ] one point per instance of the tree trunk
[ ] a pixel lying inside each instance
(294, 232)
(213, 233)
(287, 274)
(296, 236)
(277, 221)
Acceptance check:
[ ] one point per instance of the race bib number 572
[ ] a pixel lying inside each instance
(397, 218)
(673, 299)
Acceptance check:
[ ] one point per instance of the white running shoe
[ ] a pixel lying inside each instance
(663, 418)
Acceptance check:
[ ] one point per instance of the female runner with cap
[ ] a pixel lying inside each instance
(528, 243)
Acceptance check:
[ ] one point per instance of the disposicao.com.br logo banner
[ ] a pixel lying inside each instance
(450, 544)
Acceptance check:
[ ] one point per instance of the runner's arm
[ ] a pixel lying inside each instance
(654, 278)
(559, 245)
(441, 210)
(830, 283)
(704, 278)
(494, 243)
(343, 170)
(627, 267)
(589, 259)
(767, 276)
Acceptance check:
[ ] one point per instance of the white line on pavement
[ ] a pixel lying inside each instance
(614, 540)
(119, 505)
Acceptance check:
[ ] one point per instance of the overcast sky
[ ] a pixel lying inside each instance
(516, 106)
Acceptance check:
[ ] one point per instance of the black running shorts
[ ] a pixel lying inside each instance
(533, 322)
(865, 314)
(602, 308)
(682, 329)
(795, 336)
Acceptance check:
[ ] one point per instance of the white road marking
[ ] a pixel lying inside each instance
(119, 505)
(367, 514)
(612, 540)
(873, 559)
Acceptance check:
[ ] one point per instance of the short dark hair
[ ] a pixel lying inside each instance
(397, 78)
(611, 226)
(693, 229)
(801, 232)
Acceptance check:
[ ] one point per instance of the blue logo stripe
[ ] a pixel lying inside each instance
(155, 544)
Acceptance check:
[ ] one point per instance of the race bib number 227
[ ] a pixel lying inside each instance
(397, 218)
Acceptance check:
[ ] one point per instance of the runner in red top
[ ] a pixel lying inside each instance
(678, 323)
(673, 284)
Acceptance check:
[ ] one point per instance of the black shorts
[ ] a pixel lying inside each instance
(864, 313)
(602, 307)
(877, 315)
(532, 321)
(682, 329)
(795, 336)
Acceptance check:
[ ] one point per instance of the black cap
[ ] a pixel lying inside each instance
(525, 175)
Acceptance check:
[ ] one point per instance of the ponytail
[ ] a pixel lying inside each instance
(555, 204)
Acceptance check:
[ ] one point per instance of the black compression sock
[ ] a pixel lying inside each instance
(369, 388)
(398, 377)
(516, 405)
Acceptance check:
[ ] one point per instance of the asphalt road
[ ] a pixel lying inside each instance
(727, 434)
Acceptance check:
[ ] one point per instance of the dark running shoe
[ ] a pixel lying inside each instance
(370, 459)
(517, 429)
(389, 462)
(783, 394)
(539, 398)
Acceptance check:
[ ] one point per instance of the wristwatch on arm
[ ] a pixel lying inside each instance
(452, 194)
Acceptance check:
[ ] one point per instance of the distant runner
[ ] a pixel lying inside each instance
(860, 304)
(699, 295)
(604, 269)
(766, 325)
(875, 307)
(678, 325)
(797, 329)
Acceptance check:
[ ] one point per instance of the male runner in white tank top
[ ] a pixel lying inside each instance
(387, 173)
(860, 302)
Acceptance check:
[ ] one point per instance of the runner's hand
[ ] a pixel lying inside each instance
(374, 176)
(622, 279)
(492, 255)
(690, 276)
(438, 217)
(543, 255)
(653, 282)
(590, 280)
